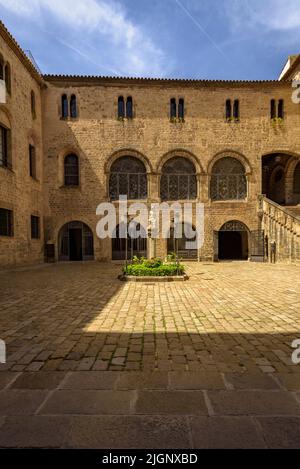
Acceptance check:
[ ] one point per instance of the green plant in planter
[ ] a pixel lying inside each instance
(153, 267)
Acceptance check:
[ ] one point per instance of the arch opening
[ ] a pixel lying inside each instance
(75, 242)
(233, 241)
(180, 246)
(127, 248)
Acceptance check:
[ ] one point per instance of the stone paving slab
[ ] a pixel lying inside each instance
(20, 402)
(253, 403)
(196, 380)
(281, 432)
(250, 381)
(89, 402)
(90, 380)
(171, 402)
(96, 432)
(41, 380)
(225, 432)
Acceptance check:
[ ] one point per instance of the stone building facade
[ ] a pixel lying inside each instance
(221, 143)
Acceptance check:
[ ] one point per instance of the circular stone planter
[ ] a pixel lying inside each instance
(152, 278)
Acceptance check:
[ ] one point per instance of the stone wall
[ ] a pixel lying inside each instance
(18, 191)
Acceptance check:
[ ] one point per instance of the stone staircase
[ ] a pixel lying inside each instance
(282, 225)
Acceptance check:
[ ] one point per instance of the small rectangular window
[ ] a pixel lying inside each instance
(32, 161)
(121, 110)
(273, 109)
(4, 146)
(6, 222)
(228, 109)
(173, 108)
(236, 109)
(35, 227)
(181, 108)
(281, 109)
(129, 109)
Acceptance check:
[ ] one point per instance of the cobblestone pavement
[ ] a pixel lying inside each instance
(209, 359)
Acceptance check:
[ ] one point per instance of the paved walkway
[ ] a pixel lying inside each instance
(93, 362)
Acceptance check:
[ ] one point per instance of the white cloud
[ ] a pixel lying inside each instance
(96, 21)
(273, 15)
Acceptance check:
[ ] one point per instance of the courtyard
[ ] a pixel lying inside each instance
(95, 362)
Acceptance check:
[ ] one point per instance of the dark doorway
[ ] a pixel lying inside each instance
(75, 240)
(230, 245)
(232, 241)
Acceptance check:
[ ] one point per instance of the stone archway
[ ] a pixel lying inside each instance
(233, 241)
(75, 242)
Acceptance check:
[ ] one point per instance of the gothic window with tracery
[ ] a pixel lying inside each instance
(178, 180)
(228, 180)
(128, 177)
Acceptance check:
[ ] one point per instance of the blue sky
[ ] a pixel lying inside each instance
(205, 39)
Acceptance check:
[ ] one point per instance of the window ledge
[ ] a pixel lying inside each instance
(229, 201)
(70, 186)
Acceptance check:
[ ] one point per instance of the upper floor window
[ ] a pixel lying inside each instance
(4, 146)
(125, 109)
(178, 180)
(181, 108)
(6, 222)
(176, 111)
(71, 170)
(228, 180)
(7, 78)
(128, 177)
(173, 108)
(277, 109)
(32, 161)
(129, 108)
(232, 110)
(73, 106)
(35, 227)
(121, 107)
(64, 106)
(32, 104)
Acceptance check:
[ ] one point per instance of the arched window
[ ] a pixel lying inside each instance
(297, 179)
(178, 180)
(7, 78)
(71, 170)
(228, 109)
(32, 103)
(129, 108)
(128, 177)
(173, 108)
(236, 109)
(181, 108)
(121, 107)
(73, 106)
(64, 106)
(228, 180)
